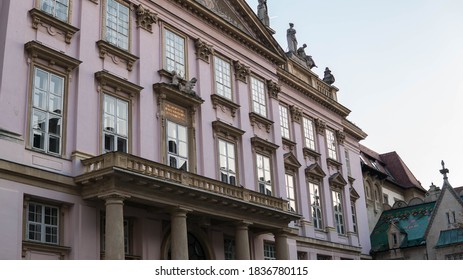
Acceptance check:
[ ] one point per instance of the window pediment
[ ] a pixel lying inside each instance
(119, 84)
(291, 161)
(259, 120)
(263, 145)
(336, 180)
(40, 17)
(173, 93)
(354, 195)
(314, 171)
(226, 129)
(107, 49)
(218, 100)
(53, 57)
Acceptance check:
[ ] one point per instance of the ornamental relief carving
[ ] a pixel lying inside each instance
(320, 126)
(146, 18)
(273, 89)
(296, 114)
(241, 71)
(341, 136)
(203, 50)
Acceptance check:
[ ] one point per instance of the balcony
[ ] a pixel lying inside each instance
(149, 182)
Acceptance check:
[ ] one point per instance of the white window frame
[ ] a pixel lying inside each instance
(309, 133)
(181, 159)
(227, 162)
(269, 251)
(120, 130)
(349, 169)
(284, 121)
(354, 216)
(117, 24)
(259, 102)
(42, 227)
(56, 8)
(223, 79)
(291, 191)
(264, 168)
(316, 204)
(50, 106)
(174, 53)
(337, 200)
(331, 145)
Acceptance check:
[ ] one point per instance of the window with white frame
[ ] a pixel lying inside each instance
(117, 24)
(309, 135)
(47, 111)
(177, 145)
(223, 82)
(258, 97)
(284, 121)
(57, 8)
(229, 248)
(174, 53)
(269, 251)
(349, 170)
(290, 192)
(42, 223)
(227, 162)
(315, 196)
(338, 213)
(264, 174)
(115, 124)
(354, 216)
(331, 144)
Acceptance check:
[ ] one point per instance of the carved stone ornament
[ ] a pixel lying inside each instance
(340, 135)
(241, 71)
(116, 54)
(146, 18)
(296, 113)
(203, 50)
(273, 89)
(52, 25)
(320, 126)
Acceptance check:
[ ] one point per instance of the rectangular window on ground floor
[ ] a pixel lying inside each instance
(269, 251)
(42, 223)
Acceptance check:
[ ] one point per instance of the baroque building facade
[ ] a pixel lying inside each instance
(173, 129)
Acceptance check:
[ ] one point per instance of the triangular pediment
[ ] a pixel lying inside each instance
(291, 161)
(354, 195)
(336, 180)
(315, 171)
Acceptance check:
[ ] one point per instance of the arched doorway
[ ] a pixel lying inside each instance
(198, 248)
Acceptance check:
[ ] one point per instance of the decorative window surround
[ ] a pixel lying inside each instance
(107, 49)
(309, 153)
(288, 143)
(241, 71)
(203, 50)
(227, 130)
(28, 246)
(260, 144)
(220, 101)
(39, 17)
(53, 57)
(146, 18)
(315, 172)
(259, 121)
(119, 84)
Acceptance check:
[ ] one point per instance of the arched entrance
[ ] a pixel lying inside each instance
(198, 247)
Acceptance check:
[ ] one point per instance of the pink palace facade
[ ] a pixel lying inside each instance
(169, 129)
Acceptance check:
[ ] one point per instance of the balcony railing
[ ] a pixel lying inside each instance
(168, 174)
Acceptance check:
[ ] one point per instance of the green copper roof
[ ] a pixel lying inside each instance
(412, 222)
(449, 237)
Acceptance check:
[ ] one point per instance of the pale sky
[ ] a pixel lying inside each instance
(398, 65)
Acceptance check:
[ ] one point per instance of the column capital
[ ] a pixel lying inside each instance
(179, 211)
(242, 224)
(114, 197)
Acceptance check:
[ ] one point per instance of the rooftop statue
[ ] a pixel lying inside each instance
(328, 78)
(307, 58)
(262, 12)
(291, 37)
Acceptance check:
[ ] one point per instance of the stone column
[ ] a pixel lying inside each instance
(114, 226)
(179, 236)
(242, 241)
(281, 245)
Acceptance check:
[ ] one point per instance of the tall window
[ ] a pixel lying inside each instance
(174, 52)
(223, 84)
(269, 251)
(349, 170)
(337, 208)
(309, 135)
(57, 8)
(284, 122)
(115, 124)
(229, 248)
(316, 205)
(354, 216)
(258, 97)
(290, 192)
(264, 174)
(227, 162)
(177, 143)
(117, 24)
(42, 223)
(331, 144)
(47, 111)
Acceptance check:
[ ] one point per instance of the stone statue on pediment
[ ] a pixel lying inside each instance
(328, 77)
(307, 58)
(291, 37)
(262, 12)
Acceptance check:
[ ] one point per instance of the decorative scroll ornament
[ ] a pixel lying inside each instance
(146, 18)
(320, 126)
(273, 89)
(203, 50)
(241, 71)
(340, 135)
(296, 113)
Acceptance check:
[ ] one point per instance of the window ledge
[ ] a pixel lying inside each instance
(62, 251)
(109, 49)
(224, 102)
(39, 17)
(259, 120)
(289, 143)
(38, 50)
(311, 153)
(333, 162)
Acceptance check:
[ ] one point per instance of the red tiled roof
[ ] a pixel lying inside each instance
(400, 171)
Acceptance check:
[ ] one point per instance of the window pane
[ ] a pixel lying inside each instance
(56, 85)
(54, 144)
(108, 142)
(122, 144)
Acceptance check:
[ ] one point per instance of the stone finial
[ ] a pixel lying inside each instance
(273, 89)
(296, 113)
(146, 18)
(262, 12)
(241, 71)
(320, 126)
(203, 50)
(328, 77)
(444, 171)
(291, 38)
